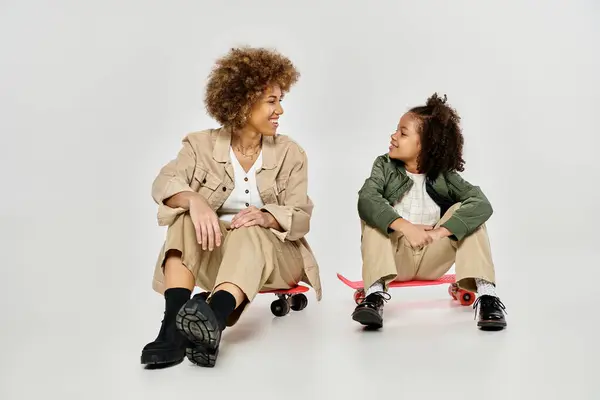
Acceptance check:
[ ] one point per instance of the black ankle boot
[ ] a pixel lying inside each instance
(197, 321)
(169, 346)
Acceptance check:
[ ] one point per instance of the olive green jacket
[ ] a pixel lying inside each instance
(389, 182)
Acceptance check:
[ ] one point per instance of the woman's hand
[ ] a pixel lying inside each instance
(252, 216)
(206, 223)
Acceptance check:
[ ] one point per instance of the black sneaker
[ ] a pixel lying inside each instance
(370, 311)
(197, 322)
(491, 313)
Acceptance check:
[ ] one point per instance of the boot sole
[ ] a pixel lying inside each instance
(162, 357)
(199, 325)
(368, 317)
(491, 325)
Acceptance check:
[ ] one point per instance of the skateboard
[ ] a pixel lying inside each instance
(287, 299)
(465, 297)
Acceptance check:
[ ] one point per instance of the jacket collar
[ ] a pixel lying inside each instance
(401, 169)
(399, 165)
(223, 143)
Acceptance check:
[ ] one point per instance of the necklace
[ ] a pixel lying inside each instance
(245, 153)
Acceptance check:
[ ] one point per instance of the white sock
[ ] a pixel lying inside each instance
(376, 287)
(484, 287)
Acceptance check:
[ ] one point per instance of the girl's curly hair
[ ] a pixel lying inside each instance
(239, 78)
(441, 137)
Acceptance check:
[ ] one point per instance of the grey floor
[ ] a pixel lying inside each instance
(88, 346)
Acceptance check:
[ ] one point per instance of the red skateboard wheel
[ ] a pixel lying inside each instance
(466, 298)
(452, 291)
(359, 296)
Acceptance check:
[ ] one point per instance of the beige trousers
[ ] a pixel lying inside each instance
(393, 259)
(253, 259)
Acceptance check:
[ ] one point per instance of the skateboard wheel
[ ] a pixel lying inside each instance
(298, 302)
(452, 291)
(359, 296)
(280, 307)
(466, 298)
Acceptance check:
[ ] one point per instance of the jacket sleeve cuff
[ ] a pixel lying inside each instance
(166, 215)
(173, 187)
(283, 215)
(385, 219)
(457, 227)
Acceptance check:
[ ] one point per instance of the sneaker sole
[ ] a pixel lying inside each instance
(368, 317)
(198, 324)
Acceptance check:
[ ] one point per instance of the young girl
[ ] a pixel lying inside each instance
(420, 217)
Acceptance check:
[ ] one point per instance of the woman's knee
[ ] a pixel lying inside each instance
(182, 226)
(248, 232)
(183, 230)
(249, 229)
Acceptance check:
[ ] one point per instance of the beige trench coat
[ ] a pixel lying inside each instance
(203, 165)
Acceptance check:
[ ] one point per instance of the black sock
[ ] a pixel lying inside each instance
(222, 304)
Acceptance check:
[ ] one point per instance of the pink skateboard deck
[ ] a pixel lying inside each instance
(446, 279)
(465, 298)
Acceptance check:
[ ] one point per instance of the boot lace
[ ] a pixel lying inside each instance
(487, 301)
(382, 297)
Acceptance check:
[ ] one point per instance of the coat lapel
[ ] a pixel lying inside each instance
(266, 174)
(221, 151)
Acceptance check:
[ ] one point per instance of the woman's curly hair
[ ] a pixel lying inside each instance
(239, 78)
(441, 137)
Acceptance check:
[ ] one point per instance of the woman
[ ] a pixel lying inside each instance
(420, 217)
(236, 206)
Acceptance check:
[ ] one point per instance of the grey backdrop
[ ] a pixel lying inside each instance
(95, 97)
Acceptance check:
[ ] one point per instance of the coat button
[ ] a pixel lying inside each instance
(246, 179)
(224, 189)
(247, 205)
(247, 191)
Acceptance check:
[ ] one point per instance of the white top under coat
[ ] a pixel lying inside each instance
(416, 205)
(245, 192)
